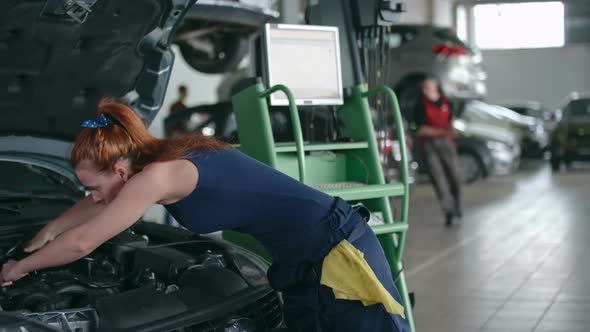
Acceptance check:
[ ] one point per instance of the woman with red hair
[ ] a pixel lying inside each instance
(314, 238)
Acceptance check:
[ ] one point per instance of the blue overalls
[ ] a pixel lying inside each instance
(298, 225)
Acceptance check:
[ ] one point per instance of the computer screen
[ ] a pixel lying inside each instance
(306, 59)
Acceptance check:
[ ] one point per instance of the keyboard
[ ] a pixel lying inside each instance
(338, 185)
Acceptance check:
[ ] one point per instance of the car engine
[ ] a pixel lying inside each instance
(129, 278)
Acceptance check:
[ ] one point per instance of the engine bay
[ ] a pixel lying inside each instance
(136, 276)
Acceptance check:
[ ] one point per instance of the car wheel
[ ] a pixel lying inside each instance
(458, 106)
(568, 162)
(222, 52)
(470, 167)
(555, 163)
(408, 91)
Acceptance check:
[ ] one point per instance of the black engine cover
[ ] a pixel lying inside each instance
(128, 309)
(164, 262)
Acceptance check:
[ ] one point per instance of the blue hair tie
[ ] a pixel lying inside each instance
(100, 122)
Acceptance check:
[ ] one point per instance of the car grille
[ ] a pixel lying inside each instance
(265, 312)
(583, 142)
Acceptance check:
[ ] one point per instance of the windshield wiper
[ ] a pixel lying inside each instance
(10, 195)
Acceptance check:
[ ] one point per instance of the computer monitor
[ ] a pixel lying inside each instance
(306, 59)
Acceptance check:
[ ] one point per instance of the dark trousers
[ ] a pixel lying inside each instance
(443, 168)
(309, 306)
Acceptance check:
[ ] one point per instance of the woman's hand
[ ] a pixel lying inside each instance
(10, 272)
(144, 189)
(44, 236)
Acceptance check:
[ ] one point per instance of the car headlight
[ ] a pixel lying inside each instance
(208, 131)
(460, 125)
(537, 131)
(494, 145)
(252, 268)
(240, 324)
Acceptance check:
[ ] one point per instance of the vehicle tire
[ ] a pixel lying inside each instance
(229, 49)
(408, 90)
(555, 163)
(568, 162)
(470, 167)
(458, 106)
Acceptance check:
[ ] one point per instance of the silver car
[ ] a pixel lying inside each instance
(531, 132)
(534, 109)
(417, 51)
(478, 141)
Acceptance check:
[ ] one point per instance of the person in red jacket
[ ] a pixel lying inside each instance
(433, 121)
(175, 124)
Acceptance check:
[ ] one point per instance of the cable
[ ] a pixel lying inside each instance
(160, 245)
(399, 273)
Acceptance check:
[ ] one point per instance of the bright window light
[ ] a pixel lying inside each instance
(519, 25)
(461, 22)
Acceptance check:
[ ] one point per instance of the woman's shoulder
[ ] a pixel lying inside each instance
(166, 167)
(201, 154)
(177, 175)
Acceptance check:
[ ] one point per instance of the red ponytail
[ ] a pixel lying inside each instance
(127, 137)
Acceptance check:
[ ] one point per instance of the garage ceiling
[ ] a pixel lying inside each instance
(577, 17)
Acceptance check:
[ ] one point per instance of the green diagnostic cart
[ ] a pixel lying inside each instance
(350, 170)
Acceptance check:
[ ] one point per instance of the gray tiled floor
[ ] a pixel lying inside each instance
(519, 262)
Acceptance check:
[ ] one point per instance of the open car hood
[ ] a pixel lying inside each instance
(59, 57)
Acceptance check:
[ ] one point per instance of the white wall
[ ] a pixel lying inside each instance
(438, 12)
(417, 12)
(545, 75)
(442, 13)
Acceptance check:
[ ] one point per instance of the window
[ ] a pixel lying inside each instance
(520, 110)
(580, 107)
(461, 24)
(519, 25)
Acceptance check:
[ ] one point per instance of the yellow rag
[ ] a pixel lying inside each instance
(346, 271)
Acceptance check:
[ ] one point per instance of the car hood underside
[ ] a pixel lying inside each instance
(56, 66)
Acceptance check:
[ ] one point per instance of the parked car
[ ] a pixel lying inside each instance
(215, 34)
(216, 120)
(417, 51)
(56, 66)
(530, 131)
(475, 158)
(485, 150)
(390, 156)
(571, 139)
(533, 109)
